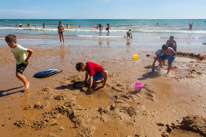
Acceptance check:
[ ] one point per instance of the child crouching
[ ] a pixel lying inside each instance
(94, 71)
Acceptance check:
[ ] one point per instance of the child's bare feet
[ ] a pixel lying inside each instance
(27, 86)
(90, 90)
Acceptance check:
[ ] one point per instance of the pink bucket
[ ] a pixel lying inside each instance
(138, 86)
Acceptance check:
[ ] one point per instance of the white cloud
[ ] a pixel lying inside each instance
(19, 11)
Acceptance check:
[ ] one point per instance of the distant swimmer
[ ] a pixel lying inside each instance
(190, 26)
(20, 25)
(44, 25)
(61, 31)
(100, 27)
(129, 34)
(28, 24)
(108, 27)
(172, 43)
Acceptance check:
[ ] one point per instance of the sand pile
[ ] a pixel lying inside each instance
(191, 55)
(193, 124)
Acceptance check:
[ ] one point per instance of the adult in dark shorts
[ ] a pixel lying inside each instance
(129, 34)
(61, 31)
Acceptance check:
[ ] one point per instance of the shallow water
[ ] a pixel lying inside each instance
(145, 33)
(99, 98)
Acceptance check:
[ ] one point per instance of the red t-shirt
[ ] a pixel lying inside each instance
(93, 68)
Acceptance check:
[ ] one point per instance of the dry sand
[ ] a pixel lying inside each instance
(168, 105)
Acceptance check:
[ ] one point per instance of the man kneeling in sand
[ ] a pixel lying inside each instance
(22, 60)
(95, 71)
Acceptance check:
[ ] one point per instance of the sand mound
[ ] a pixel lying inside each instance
(190, 124)
(191, 55)
(194, 123)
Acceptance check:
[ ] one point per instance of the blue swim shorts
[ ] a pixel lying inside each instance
(98, 75)
(170, 60)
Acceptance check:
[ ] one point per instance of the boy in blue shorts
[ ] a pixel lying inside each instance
(95, 71)
(167, 53)
(22, 60)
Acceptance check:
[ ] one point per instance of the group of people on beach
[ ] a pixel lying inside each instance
(93, 71)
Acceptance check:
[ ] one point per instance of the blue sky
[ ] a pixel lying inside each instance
(102, 9)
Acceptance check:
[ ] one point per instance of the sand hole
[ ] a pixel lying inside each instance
(97, 99)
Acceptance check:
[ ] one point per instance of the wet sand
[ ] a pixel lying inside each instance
(53, 108)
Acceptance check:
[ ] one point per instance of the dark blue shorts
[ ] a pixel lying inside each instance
(98, 76)
(164, 56)
(21, 67)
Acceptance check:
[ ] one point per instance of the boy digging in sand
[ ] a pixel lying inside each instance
(167, 53)
(95, 72)
(22, 60)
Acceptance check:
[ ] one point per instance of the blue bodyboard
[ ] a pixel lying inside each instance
(47, 73)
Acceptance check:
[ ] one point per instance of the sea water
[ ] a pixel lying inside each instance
(145, 31)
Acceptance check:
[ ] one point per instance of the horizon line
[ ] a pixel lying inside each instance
(99, 19)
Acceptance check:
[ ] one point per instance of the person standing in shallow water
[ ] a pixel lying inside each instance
(43, 25)
(108, 27)
(190, 26)
(61, 31)
(129, 34)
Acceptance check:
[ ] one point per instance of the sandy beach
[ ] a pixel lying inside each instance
(168, 105)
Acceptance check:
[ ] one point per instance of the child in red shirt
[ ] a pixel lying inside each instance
(95, 72)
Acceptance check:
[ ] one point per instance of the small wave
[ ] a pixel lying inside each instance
(95, 36)
(112, 30)
(172, 31)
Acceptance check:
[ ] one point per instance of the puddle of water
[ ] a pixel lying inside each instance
(99, 98)
(184, 59)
